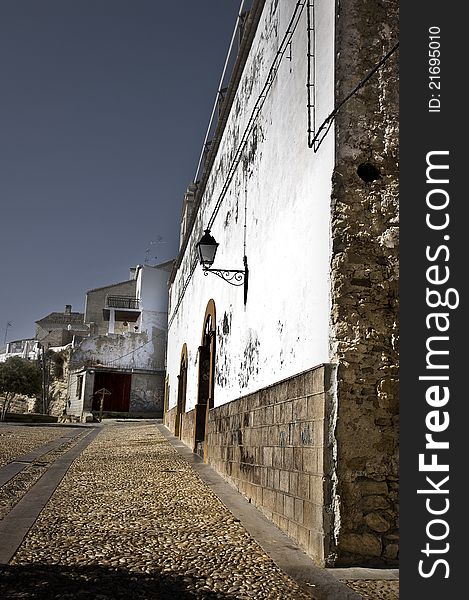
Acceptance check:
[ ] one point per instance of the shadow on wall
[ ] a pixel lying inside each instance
(91, 582)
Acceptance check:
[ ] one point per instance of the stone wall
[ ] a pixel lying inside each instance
(143, 350)
(364, 277)
(58, 389)
(54, 337)
(22, 404)
(187, 428)
(170, 419)
(275, 447)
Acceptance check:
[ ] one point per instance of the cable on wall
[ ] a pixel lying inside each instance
(327, 123)
(311, 77)
(245, 213)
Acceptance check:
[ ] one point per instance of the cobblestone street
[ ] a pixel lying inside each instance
(131, 519)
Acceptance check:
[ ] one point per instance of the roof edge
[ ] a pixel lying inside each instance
(243, 52)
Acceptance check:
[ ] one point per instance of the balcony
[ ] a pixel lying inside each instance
(122, 302)
(125, 308)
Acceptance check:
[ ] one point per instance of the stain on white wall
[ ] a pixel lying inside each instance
(278, 205)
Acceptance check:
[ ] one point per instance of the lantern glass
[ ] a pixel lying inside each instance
(207, 249)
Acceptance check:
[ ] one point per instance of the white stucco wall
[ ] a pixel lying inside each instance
(122, 351)
(152, 291)
(284, 328)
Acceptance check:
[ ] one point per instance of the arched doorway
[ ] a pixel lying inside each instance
(206, 379)
(182, 387)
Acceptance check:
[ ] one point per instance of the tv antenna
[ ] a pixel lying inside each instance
(9, 324)
(159, 240)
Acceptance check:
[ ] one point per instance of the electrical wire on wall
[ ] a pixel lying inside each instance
(327, 123)
(311, 76)
(245, 213)
(182, 292)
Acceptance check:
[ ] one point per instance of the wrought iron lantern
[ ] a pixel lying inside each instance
(207, 249)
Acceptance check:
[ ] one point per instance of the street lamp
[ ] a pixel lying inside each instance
(207, 249)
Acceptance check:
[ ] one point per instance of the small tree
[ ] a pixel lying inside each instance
(18, 376)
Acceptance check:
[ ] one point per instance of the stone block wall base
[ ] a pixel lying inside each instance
(170, 420)
(274, 447)
(186, 426)
(282, 449)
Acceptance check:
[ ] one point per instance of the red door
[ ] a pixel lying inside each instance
(119, 386)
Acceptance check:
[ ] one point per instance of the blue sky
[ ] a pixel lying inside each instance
(104, 106)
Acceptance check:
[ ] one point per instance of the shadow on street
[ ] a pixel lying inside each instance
(93, 582)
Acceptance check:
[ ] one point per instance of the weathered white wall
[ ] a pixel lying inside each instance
(128, 350)
(284, 327)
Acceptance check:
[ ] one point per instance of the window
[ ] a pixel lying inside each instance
(79, 386)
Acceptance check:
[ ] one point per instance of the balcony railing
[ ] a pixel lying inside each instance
(122, 302)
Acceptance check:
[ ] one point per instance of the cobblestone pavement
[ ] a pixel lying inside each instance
(40, 460)
(371, 589)
(132, 520)
(16, 440)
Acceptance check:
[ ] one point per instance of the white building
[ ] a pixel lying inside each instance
(287, 383)
(129, 359)
(28, 348)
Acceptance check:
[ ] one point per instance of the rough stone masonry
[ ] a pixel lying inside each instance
(364, 273)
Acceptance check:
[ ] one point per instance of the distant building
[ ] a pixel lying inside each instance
(125, 351)
(103, 307)
(59, 328)
(28, 348)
